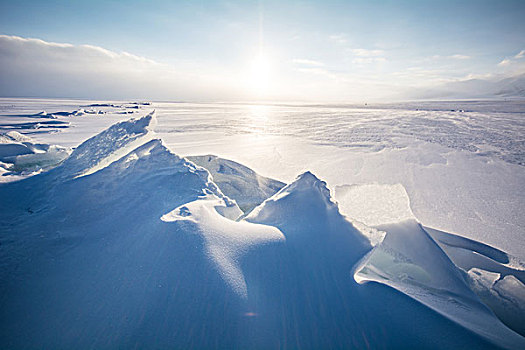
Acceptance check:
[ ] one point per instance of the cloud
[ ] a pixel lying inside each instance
(513, 66)
(338, 39)
(483, 76)
(28, 48)
(367, 56)
(367, 53)
(361, 56)
(453, 57)
(521, 54)
(460, 57)
(34, 67)
(505, 62)
(514, 60)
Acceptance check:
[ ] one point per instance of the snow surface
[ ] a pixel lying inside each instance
(374, 204)
(126, 244)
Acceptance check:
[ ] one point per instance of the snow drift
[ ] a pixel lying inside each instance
(125, 244)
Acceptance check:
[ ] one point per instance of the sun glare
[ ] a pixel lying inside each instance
(260, 74)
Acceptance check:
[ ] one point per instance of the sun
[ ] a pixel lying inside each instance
(260, 74)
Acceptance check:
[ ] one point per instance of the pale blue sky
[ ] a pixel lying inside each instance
(332, 46)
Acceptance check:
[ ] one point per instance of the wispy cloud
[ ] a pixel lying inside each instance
(367, 52)
(340, 39)
(453, 57)
(484, 76)
(367, 56)
(516, 62)
(505, 62)
(460, 57)
(358, 56)
(521, 54)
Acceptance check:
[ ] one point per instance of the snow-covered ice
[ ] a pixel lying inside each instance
(20, 155)
(285, 227)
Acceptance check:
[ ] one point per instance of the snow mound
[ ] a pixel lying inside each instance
(238, 181)
(226, 240)
(306, 214)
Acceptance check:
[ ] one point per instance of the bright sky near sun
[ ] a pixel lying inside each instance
(245, 50)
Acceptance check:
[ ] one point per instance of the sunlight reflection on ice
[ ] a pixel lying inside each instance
(258, 118)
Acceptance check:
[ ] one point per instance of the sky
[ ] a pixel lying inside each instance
(345, 51)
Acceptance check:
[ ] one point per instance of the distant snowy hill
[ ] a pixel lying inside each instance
(513, 87)
(124, 244)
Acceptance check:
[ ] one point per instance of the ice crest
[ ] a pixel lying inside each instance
(109, 146)
(308, 217)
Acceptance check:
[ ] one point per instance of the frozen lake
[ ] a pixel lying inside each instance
(284, 226)
(461, 162)
(488, 128)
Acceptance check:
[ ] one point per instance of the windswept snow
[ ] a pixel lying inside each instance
(226, 241)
